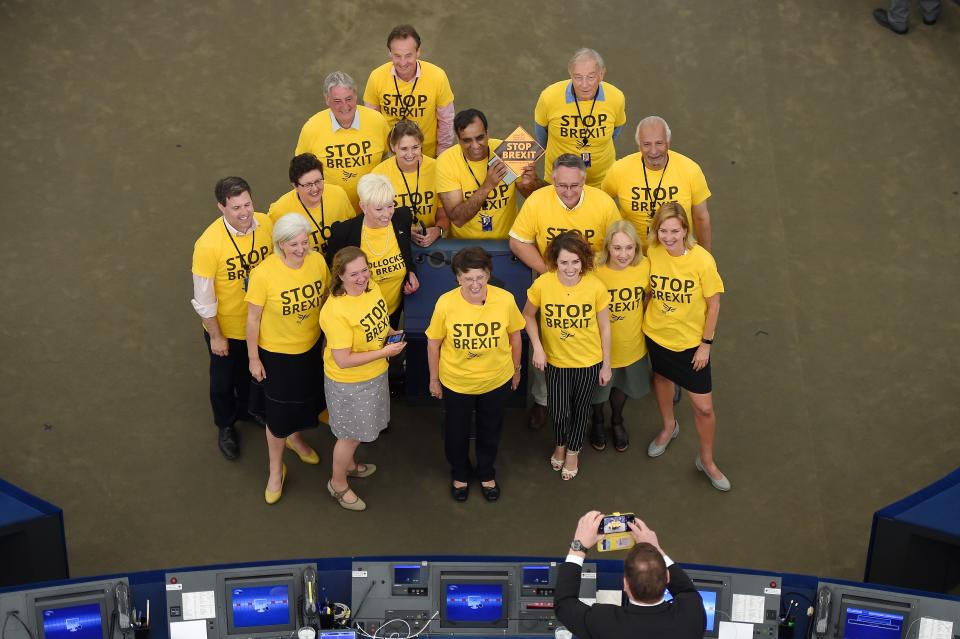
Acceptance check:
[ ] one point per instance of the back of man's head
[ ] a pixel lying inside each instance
(645, 572)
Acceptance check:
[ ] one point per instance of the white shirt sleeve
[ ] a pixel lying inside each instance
(204, 297)
(575, 559)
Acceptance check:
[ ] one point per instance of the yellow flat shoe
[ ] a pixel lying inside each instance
(273, 497)
(312, 458)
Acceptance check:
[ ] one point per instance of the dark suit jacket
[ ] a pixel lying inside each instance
(347, 233)
(682, 618)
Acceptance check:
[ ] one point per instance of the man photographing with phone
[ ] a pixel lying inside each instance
(647, 572)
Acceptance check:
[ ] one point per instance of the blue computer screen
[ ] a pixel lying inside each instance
(709, 605)
(73, 622)
(474, 603)
(406, 575)
(255, 606)
(536, 575)
(872, 624)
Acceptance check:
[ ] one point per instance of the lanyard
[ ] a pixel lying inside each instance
(653, 204)
(404, 108)
(576, 102)
(472, 174)
(253, 245)
(323, 222)
(413, 205)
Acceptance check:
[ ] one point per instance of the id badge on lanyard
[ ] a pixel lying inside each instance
(486, 223)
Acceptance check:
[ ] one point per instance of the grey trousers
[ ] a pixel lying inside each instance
(899, 13)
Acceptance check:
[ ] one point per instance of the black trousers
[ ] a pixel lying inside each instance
(233, 393)
(460, 410)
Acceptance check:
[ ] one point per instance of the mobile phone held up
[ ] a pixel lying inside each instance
(615, 523)
(396, 337)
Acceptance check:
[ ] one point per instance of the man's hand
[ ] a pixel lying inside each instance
(643, 534)
(587, 528)
(411, 285)
(219, 345)
(495, 172)
(431, 236)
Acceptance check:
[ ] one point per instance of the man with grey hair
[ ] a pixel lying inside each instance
(642, 181)
(569, 204)
(348, 138)
(582, 115)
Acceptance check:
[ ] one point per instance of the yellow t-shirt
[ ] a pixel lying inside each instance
(494, 219)
(334, 207)
(678, 288)
(556, 111)
(418, 100)
(419, 192)
(625, 289)
(387, 267)
(568, 319)
(682, 181)
(543, 217)
(359, 323)
(291, 301)
(215, 257)
(475, 356)
(347, 154)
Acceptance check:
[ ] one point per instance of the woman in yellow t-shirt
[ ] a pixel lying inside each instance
(283, 342)
(571, 342)
(356, 324)
(680, 323)
(414, 178)
(622, 267)
(473, 351)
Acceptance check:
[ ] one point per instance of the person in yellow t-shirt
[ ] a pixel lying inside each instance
(680, 322)
(223, 258)
(414, 178)
(622, 267)
(571, 342)
(476, 201)
(356, 324)
(641, 182)
(283, 342)
(349, 139)
(473, 351)
(323, 204)
(582, 115)
(408, 88)
(383, 233)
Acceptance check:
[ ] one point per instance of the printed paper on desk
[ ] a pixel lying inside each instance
(199, 605)
(733, 630)
(935, 628)
(188, 629)
(747, 608)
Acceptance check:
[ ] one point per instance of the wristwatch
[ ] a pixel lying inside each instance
(577, 546)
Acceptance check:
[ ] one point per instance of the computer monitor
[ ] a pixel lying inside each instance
(262, 604)
(474, 600)
(868, 620)
(76, 616)
(536, 576)
(711, 600)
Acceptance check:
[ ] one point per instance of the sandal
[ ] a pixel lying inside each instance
(621, 441)
(357, 505)
(555, 463)
(566, 474)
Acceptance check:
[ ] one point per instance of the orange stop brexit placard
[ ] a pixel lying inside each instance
(518, 150)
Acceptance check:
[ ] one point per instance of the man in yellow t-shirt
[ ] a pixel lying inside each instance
(477, 202)
(322, 203)
(641, 182)
(407, 88)
(223, 257)
(567, 204)
(349, 139)
(582, 116)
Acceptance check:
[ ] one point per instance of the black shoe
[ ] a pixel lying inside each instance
(621, 441)
(929, 23)
(460, 494)
(537, 417)
(883, 19)
(598, 438)
(676, 393)
(492, 493)
(253, 418)
(229, 443)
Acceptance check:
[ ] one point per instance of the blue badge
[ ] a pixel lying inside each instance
(486, 222)
(586, 159)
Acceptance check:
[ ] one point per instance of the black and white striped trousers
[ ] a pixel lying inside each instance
(569, 391)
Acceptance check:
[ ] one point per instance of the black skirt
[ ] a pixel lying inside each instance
(678, 368)
(293, 389)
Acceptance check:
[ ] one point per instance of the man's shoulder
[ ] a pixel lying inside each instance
(432, 70)
(450, 157)
(370, 116)
(682, 160)
(540, 198)
(556, 90)
(612, 93)
(318, 120)
(596, 198)
(210, 237)
(380, 73)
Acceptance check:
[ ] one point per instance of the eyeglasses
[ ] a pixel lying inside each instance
(312, 185)
(585, 78)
